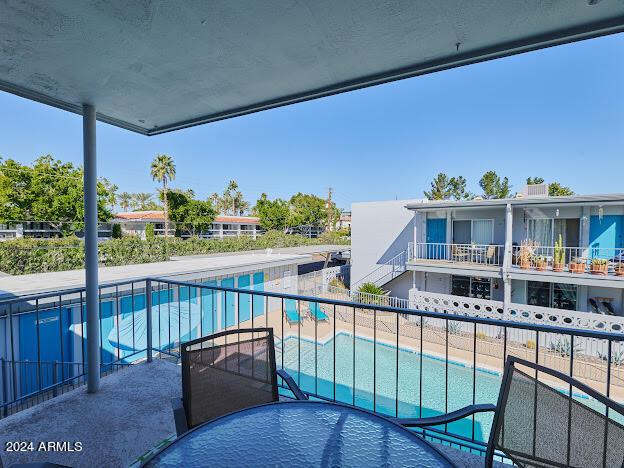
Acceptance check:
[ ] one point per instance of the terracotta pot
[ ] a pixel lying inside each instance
(541, 267)
(619, 271)
(558, 267)
(577, 268)
(600, 270)
(525, 265)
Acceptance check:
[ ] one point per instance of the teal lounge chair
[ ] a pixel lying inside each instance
(292, 316)
(317, 313)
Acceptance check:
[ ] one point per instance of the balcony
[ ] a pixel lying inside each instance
(572, 262)
(393, 361)
(470, 257)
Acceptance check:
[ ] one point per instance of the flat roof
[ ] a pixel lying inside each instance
(19, 285)
(301, 250)
(157, 66)
(432, 205)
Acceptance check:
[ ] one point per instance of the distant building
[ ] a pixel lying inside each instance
(134, 223)
(345, 220)
(45, 230)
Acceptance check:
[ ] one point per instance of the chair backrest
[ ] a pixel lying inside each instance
(554, 420)
(227, 372)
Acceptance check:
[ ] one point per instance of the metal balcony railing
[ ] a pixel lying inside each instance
(395, 361)
(476, 254)
(597, 261)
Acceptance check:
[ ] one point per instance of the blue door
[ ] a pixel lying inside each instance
(244, 300)
(605, 235)
(436, 234)
(227, 307)
(258, 301)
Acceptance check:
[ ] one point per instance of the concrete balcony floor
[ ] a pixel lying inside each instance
(129, 415)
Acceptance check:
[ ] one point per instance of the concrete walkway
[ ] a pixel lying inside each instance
(130, 414)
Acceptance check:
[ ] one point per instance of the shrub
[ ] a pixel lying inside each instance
(530, 344)
(25, 255)
(482, 336)
(337, 283)
(116, 231)
(149, 232)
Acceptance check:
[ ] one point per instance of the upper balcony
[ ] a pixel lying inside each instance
(443, 257)
(576, 264)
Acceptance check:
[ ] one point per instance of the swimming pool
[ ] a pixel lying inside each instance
(460, 379)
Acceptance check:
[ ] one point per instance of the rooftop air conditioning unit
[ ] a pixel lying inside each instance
(535, 190)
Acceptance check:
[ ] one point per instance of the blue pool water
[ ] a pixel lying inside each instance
(460, 380)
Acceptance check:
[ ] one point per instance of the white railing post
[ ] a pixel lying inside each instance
(507, 258)
(148, 311)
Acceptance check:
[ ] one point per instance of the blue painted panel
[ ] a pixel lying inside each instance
(436, 234)
(244, 300)
(209, 309)
(227, 305)
(258, 301)
(605, 235)
(54, 332)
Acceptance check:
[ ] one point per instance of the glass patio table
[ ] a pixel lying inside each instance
(299, 433)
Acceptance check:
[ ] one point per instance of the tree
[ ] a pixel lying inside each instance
(457, 189)
(273, 214)
(163, 170)
(141, 201)
(555, 189)
(534, 180)
(440, 189)
(190, 215)
(125, 199)
(307, 209)
(111, 189)
(150, 232)
(50, 190)
(494, 187)
(443, 188)
(232, 202)
(116, 231)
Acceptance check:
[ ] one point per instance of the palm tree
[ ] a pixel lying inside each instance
(230, 195)
(163, 170)
(124, 200)
(141, 200)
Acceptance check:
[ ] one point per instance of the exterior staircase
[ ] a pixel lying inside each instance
(385, 272)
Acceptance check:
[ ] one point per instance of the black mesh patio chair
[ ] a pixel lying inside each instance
(227, 372)
(537, 423)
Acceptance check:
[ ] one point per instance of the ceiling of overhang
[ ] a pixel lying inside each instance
(155, 65)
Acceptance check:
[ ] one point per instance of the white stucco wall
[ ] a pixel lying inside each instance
(379, 231)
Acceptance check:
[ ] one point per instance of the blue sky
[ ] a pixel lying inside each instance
(556, 113)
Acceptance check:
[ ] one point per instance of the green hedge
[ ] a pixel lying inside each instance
(22, 256)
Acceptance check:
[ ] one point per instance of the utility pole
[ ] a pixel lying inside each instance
(330, 212)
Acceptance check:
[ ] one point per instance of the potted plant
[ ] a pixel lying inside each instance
(540, 263)
(577, 265)
(619, 269)
(600, 266)
(526, 253)
(559, 256)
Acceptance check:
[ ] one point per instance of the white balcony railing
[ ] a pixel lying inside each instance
(486, 255)
(578, 260)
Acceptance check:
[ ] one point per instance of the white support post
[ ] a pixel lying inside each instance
(507, 257)
(91, 248)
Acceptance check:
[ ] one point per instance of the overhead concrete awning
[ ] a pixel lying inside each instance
(156, 66)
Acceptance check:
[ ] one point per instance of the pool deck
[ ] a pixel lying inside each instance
(129, 415)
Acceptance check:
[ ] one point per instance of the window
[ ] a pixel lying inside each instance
(541, 231)
(555, 295)
(466, 286)
(460, 286)
(538, 293)
(482, 231)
